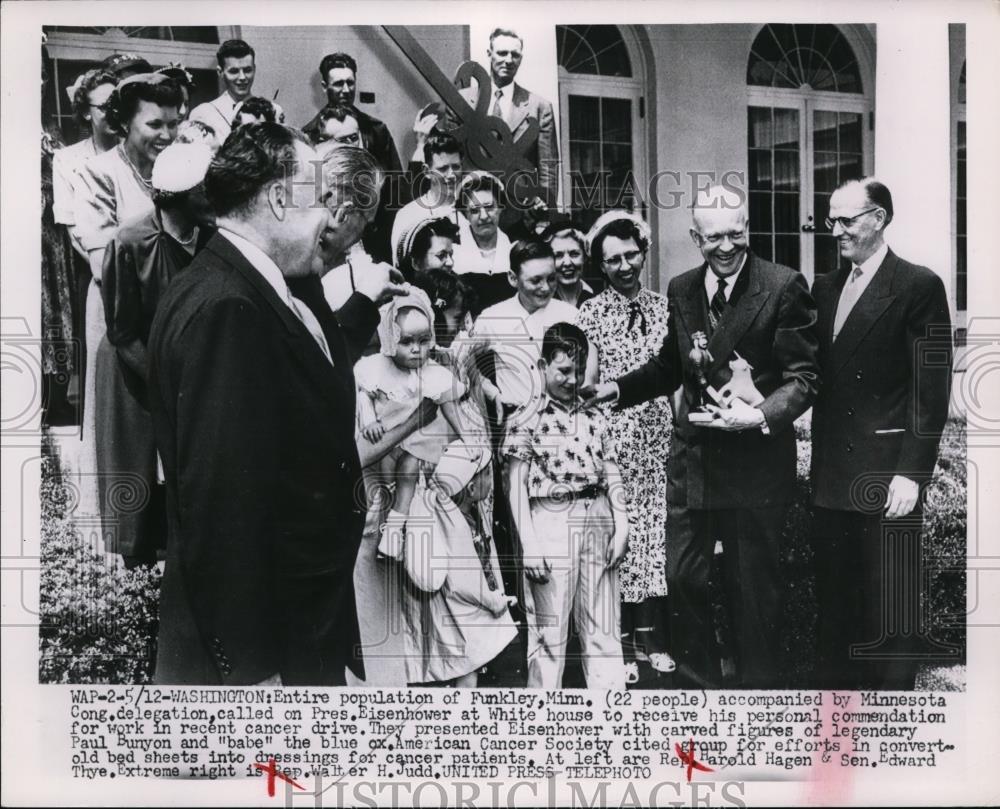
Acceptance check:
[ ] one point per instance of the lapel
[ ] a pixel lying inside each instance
(303, 344)
(872, 304)
(690, 302)
(737, 318)
(519, 109)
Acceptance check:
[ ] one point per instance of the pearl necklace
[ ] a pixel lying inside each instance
(147, 184)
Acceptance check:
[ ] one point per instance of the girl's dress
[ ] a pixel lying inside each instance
(454, 608)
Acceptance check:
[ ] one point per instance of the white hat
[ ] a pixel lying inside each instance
(181, 166)
(609, 218)
(459, 464)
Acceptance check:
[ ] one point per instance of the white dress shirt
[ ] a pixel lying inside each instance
(263, 264)
(712, 281)
(856, 286)
(515, 336)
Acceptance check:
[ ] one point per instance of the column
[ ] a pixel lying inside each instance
(912, 144)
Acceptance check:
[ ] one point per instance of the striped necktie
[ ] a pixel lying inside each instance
(718, 303)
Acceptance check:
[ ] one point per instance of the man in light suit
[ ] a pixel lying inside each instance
(252, 399)
(516, 106)
(885, 350)
(732, 478)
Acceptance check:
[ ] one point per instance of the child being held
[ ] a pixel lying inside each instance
(454, 607)
(391, 385)
(561, 462)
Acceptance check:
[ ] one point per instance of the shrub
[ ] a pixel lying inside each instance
(98, 620)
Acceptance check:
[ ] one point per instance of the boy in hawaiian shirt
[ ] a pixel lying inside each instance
(573, 535)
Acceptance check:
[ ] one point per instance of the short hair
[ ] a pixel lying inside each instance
(424, 236)
(335, 112)
(527, 250)
(878, 194)
(90, 81)
(259, 108)
(620, 229)
(561, 230)
(354, 176)
(123, 103)
(564, 338)
(252, 157)
(441, 143)
(234, 49)
(332, 60)
(479, 181)
(505, 32)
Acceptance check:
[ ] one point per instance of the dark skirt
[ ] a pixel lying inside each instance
(132, 503)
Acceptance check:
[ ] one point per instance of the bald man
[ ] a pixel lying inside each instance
(731, 478)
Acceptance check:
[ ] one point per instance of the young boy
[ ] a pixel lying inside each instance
(573, 534)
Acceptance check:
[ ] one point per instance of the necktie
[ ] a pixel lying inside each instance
(635, 313)
(718, 303)
(304, 313)
(849, 297)
(496, 104)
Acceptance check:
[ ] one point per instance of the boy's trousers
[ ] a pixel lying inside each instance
(574, 536)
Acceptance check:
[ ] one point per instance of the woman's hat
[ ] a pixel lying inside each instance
(607, 219)
(459, 464)
(181, 166)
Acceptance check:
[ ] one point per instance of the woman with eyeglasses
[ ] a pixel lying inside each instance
(482, 255)
(112, 188)
(626, 324)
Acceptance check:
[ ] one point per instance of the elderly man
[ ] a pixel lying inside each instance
(237, 69)
(730, 478)
(885, 348)
(252, 400)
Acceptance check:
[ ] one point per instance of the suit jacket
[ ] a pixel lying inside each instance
(543, 152)
(771, 322)
(256, 433)
(886, 385)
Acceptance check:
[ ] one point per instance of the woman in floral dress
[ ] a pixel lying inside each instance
(626, 324)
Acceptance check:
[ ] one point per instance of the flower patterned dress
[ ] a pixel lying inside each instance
(627, 334)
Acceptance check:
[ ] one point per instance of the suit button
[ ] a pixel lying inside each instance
(850, 448)
(858, 375)
(850, 411)
(343, 466)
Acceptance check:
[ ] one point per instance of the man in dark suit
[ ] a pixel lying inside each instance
(517, 106)
(338, 74)
(253, 408)
(885, 349)
(732, 478)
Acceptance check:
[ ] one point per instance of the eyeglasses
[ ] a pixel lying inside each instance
(846, 221)
(632, 257)
(713, 239)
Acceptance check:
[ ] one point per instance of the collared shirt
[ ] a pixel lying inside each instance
(565, 451)
(712, 280)
(868, 270)
(263, 264)
(217, 114)
(506, 99)
(515, 337)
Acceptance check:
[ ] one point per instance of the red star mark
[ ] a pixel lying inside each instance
(273, 772)
(688, 758)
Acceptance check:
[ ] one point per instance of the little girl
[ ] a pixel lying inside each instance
(391, 385)
(454, 606)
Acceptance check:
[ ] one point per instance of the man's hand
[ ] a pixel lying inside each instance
(379, 282)
(423, 125)
(617, 547)
(538, 572)
(902, 497)
(735, 418)
(593, 395)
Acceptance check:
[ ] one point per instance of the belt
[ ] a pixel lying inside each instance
(591, 492)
